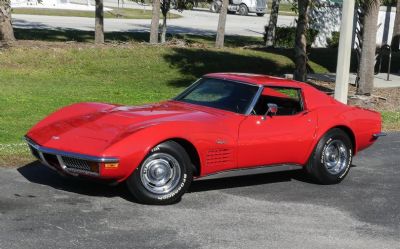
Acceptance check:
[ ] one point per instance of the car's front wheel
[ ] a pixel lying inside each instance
(215, 7)
(331, 159)
(163, 176)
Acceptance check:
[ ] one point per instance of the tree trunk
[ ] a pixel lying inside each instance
(99, 23)
(300, 47)
(164, 9)
(273, 19)
(164, 29)
(6, 28)
(219, 41)
(367, 59)
(155, 20)
(396, 29)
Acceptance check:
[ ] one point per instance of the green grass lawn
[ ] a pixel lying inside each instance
(37, 78)
(285, 9)
(122, 13)
(36, 81)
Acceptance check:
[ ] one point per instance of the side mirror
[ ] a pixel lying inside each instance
(272, 110)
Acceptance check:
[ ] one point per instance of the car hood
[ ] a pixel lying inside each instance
(97, 130)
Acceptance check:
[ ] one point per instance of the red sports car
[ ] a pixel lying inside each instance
(223, 123)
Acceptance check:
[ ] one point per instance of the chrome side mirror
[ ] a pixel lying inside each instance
(272, 110)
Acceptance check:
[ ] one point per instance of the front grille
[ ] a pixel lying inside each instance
(79, 164)
(72, 163)
(52, 160)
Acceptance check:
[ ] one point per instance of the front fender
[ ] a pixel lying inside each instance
(133, 148)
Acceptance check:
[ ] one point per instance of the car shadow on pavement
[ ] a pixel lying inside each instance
(249, 180)
(36, 172)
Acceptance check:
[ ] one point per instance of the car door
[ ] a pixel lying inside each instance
(277, 139)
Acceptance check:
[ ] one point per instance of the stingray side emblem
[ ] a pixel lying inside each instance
(55, 137)
(220, 141)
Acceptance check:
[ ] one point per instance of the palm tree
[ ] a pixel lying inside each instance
(300, 47)
(155, 21)
(370, 10)
(219, 41)
(6, 28)
(99, 23)
(273, 19)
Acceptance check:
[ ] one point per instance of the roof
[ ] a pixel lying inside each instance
(257, 79)
(313, 97)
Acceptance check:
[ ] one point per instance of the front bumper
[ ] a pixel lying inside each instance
(68, 162)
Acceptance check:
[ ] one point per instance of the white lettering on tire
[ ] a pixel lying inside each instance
(155, 149)
(348, 165)
(172, 194)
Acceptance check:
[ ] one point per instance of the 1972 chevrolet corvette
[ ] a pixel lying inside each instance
(224, 122)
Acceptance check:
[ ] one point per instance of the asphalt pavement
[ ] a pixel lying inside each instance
(39, 209)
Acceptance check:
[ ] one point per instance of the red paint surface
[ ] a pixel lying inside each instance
(130, 132)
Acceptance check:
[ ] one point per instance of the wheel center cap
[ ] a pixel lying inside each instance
(159, 172)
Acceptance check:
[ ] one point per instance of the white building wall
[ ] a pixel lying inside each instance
(327, 20)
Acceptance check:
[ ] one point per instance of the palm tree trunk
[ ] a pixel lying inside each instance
(6, 28)
(367, 59)
(219, 42)
(273, 19)
(155, 20)
(396, 29)
(300, 47)
(99, 23)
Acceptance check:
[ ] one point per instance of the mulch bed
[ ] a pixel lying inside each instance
(382, 99)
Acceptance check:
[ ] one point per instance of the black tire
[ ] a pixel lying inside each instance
(177, 159)
(243, 10)
(334, 146)
(215, 7)
(260, 14)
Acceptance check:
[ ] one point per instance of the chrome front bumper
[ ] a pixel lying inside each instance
(71, 163)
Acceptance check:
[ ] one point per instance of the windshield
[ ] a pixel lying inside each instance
(221, 94)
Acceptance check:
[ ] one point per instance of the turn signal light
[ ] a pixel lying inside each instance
(111, 165)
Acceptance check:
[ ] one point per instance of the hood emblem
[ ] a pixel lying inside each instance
(55, 137)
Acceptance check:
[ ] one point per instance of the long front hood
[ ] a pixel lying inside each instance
(91, 133)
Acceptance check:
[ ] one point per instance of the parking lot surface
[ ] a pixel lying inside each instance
(39, 209)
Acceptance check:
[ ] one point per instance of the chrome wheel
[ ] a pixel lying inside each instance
(160, 173)
(335, 156)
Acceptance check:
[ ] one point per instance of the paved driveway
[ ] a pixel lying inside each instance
(39, 209)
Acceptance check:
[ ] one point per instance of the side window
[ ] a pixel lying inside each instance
(288, 100)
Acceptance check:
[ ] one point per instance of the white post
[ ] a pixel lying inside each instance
(344, 54)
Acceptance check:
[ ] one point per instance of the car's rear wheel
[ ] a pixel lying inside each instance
(243, 10)
(163, 176)
(331, 159)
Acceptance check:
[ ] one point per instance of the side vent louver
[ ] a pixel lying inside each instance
(218, 157)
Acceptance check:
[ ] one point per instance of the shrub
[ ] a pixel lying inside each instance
(285, 36)
(333, 42)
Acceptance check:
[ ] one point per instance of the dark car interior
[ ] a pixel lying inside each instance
(288, 102)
